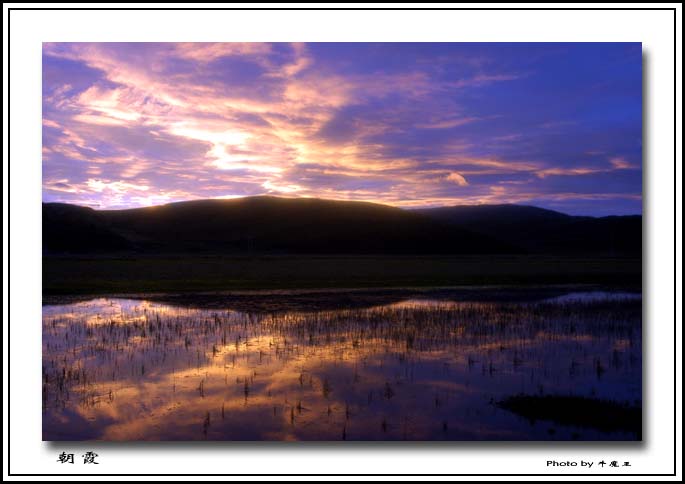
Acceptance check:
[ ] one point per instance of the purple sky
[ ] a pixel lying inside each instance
(551, 124)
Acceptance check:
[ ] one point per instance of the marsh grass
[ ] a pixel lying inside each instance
(355, 372)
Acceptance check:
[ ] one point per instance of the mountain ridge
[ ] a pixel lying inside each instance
(268, 224)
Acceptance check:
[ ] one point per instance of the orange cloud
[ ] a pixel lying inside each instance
(457, 178)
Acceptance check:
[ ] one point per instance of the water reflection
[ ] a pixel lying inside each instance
(417, 369)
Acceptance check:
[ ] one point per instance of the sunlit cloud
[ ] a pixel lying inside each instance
(447, 123)
(405, 124)
(273, 187)
(209, 51)
(566, 172)
(457, 178)
(115, 187)
(620, 163)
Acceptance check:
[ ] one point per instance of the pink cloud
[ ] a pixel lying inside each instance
(457, 178)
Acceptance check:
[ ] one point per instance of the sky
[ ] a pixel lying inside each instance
(556, 125)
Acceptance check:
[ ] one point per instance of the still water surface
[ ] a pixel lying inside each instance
(417, 368)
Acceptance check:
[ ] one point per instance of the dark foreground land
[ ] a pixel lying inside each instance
(277, 243)
(182, 273)
(604, 415)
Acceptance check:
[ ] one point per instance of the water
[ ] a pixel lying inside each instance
(418, 368)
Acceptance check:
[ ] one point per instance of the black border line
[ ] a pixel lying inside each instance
(675, 236)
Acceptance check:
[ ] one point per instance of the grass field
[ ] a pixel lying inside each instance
(129, 275)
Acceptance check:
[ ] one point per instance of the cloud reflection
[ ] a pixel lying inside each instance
(116, 369)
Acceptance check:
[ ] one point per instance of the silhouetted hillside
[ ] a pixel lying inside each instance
(313, 226)
(539, 230)
(70, 228)
(260, 225)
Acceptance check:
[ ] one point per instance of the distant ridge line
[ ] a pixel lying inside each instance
(280, 225)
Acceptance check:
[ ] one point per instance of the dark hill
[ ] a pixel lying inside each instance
(260, 225)
(539, 230)
(70, 228)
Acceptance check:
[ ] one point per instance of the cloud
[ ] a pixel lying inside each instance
(616, 163)
(210, 51)
(115, 187)
(620, 163)
(447, 123)
(457, 178)
(482, 80)
(404, 124)
(566, 172)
